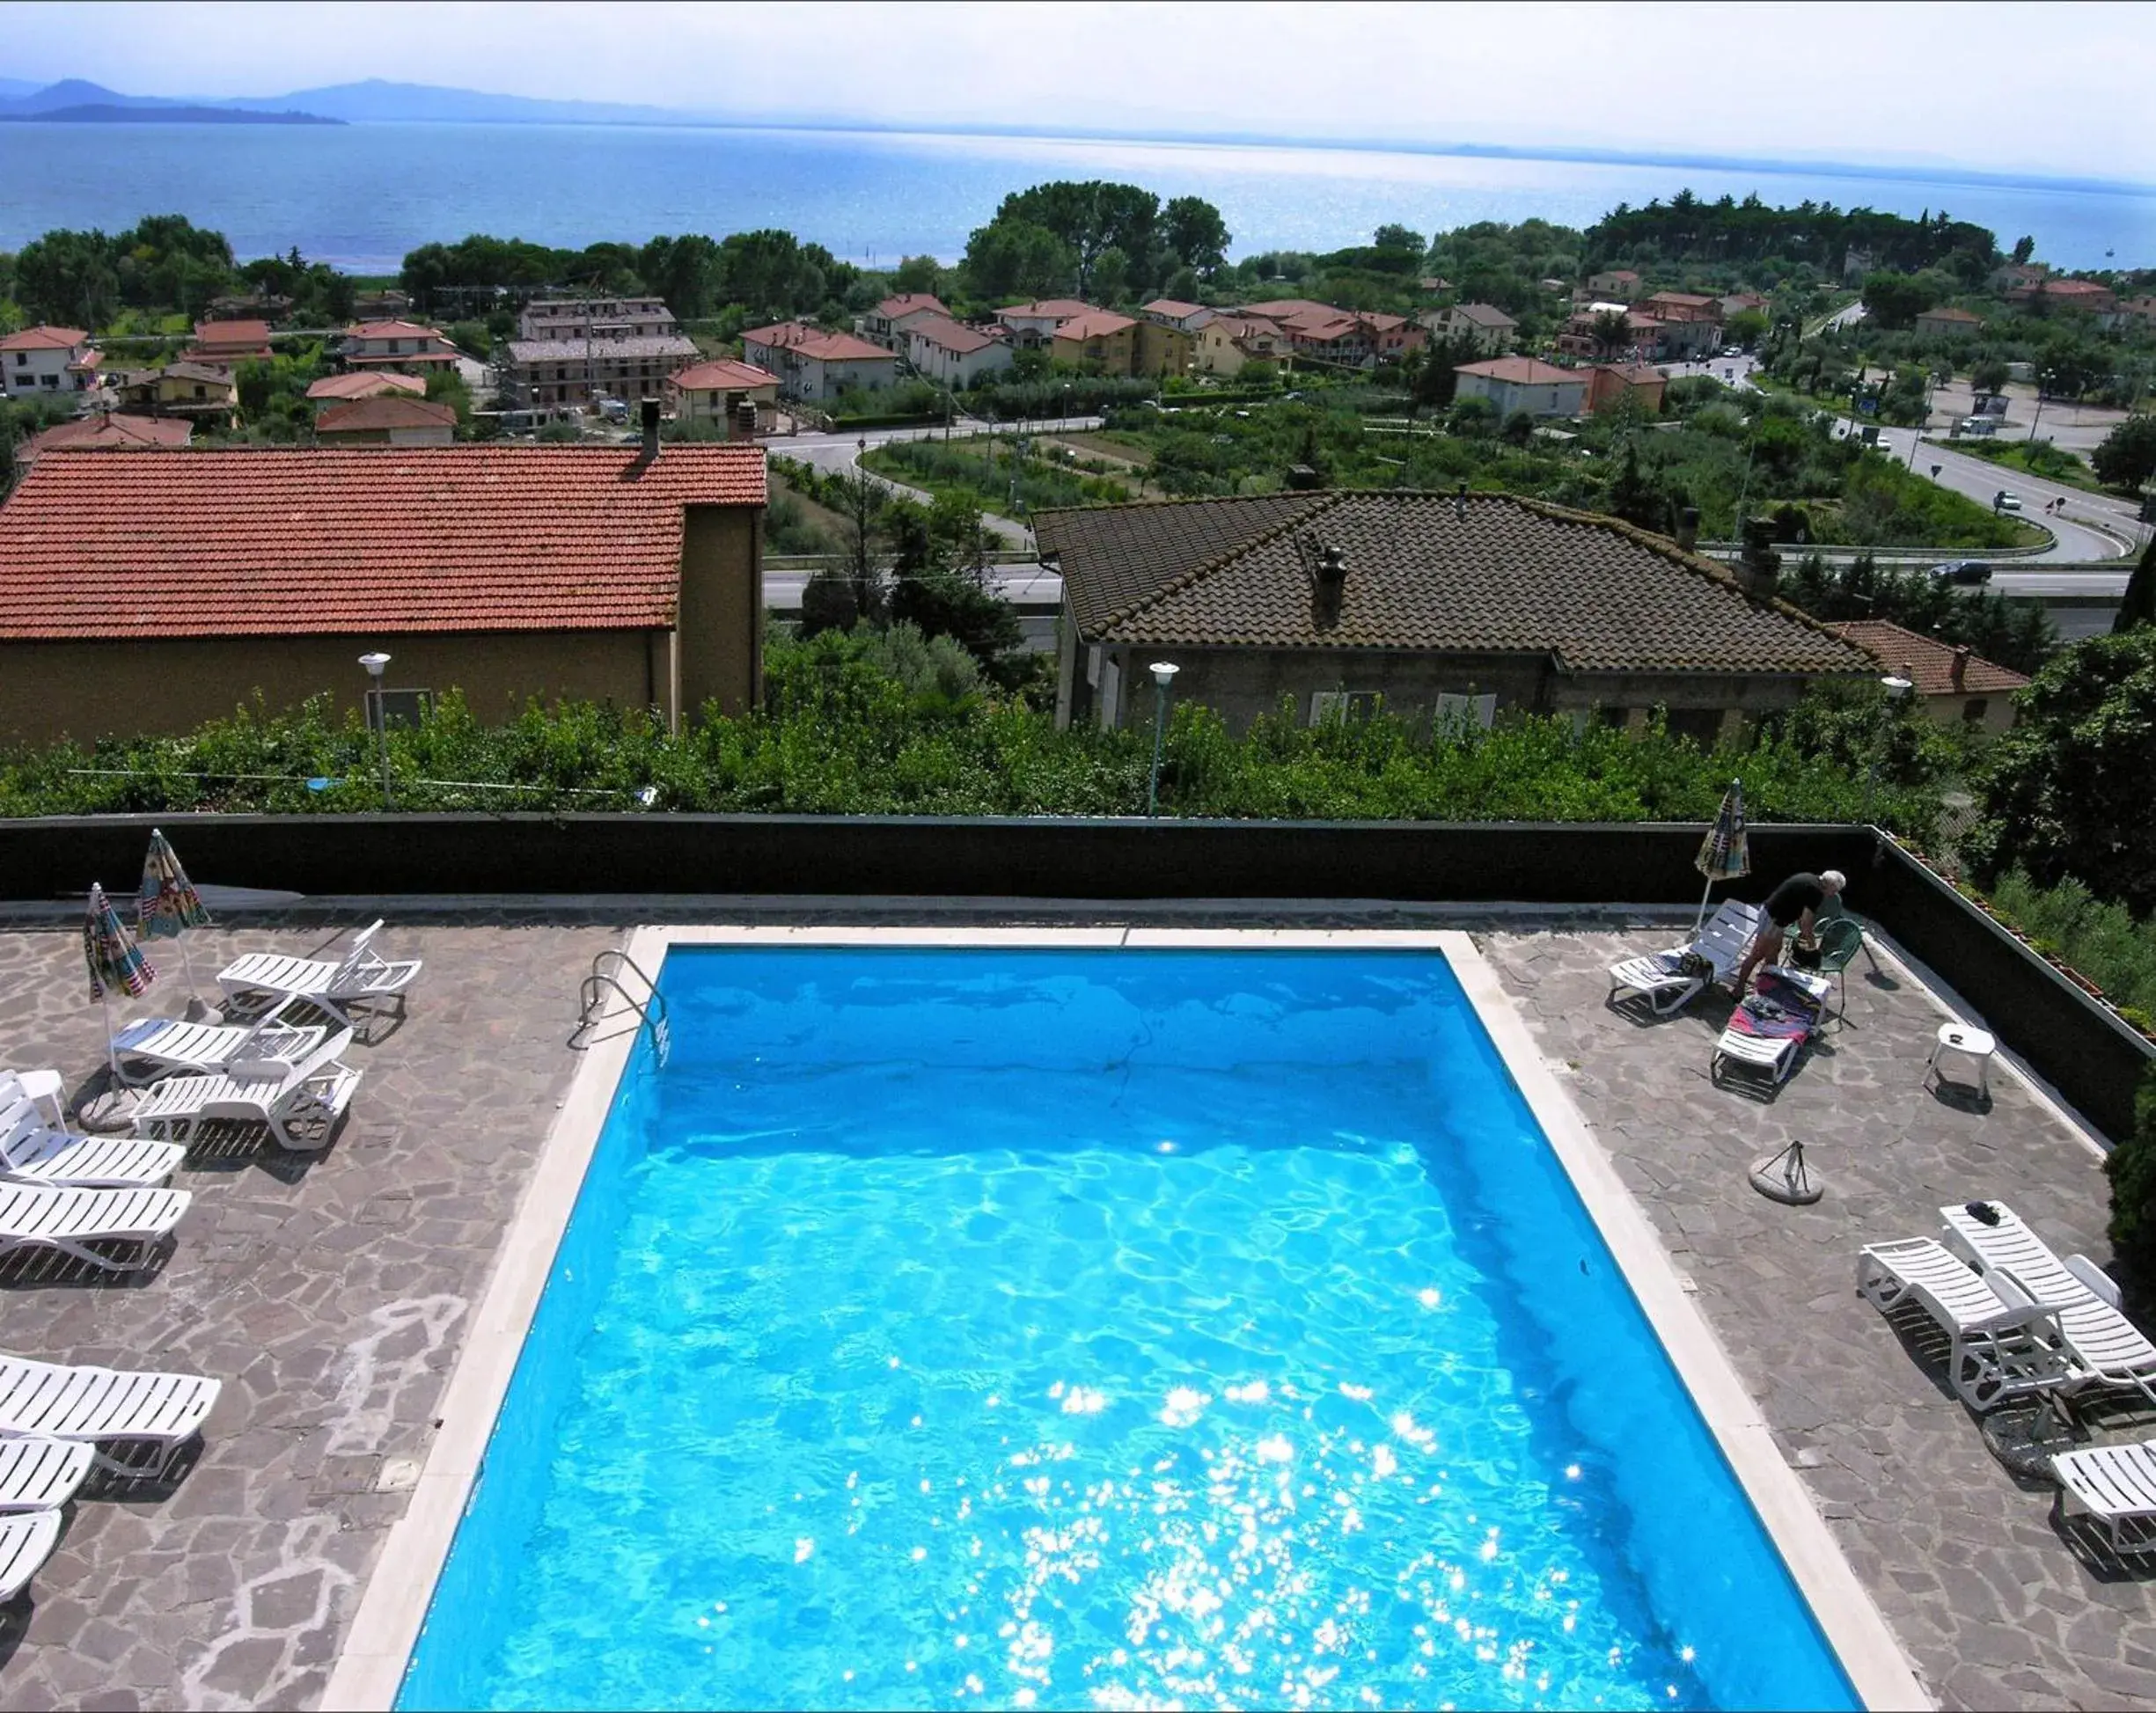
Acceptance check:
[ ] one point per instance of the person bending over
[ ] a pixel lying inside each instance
(1791, 904)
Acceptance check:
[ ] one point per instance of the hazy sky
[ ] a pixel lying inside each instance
(2060, 88)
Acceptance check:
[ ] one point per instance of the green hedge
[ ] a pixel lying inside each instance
(843, 734)
(2101, 941)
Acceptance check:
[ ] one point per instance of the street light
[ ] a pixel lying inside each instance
(376, 665)
(1897, 686)
(1163, 678)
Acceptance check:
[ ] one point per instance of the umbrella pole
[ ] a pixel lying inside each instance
(1706, 892)
(196, 1009)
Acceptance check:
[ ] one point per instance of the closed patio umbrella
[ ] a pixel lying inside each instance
(166, 904)
(1725, 853)
(114, 960)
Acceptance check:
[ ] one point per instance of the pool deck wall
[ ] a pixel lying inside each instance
(2077, 1045)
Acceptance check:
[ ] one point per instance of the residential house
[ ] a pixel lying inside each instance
(1326, 334)
(248, 306)
(1033, 326)
(2019, 277)
(108, 429)
(1741, 302)
(405, 346)
(1609, 384)
(2072, 295)
(193, 389)
(815, 365)
(1170, 312)
(1487, 327)
(1228, 340)
(1100, 341)
(227, 344)
(389, 305)
(1955, 685)
(1684, 306)
(1619, 284)
(1159, 349)
(367, 383)
(1949, 323)
(597, 318)
(1523, 383)
(1432, 603)
(561, 373)
(887, 323)
(2133, 312)
(390, 420)
(715, 391)
(627, 575)
(1649, 338)
(952, 354)
(43, 360)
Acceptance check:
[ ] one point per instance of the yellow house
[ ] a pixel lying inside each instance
(1225, 343)
(712, 392)
(1161, 350)
(1099, 341)
(179, 389)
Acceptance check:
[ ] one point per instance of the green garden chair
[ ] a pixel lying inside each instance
(1840, 940)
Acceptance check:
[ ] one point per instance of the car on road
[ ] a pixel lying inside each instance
(2004, 501)
(1962, 571)
(1733, 350)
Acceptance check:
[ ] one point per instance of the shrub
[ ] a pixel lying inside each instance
(2131, 1167)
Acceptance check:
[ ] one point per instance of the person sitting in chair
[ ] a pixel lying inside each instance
(1791, 903)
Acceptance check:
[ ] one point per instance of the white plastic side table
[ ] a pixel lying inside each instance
(1971, 1042)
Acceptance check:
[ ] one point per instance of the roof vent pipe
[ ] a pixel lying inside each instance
(1459, 502)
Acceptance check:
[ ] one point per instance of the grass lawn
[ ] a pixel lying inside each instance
(984, 476)
(2045, 461)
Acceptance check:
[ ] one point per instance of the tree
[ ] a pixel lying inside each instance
(1989, 376)
(1111, 276)
(2127, 459)
(1746, 327)
(2067, 793)
(918, 274)
(1400, 248)
(684, 271)
(253, 382)
(860, 499)
(1895, 300)
(1195, 234)
(1090, 219)
(2138, 607)
(1611, 330)
(2024, 247)
(1018, 259)
(69, 278)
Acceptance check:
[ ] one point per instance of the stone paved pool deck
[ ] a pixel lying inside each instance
(331, 1292)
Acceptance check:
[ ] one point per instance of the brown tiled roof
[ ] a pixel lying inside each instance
(366, 384)
(221, 334)
(1173, 308)
(1633, 374)
(1060, 308)
(815, 342)
(391, 330)
(1095, 323)
(906, 302)
(1927, 662)
(114, 429)
(389, 411)
(1511, 575)
(44, 339)
(278, 542)
(1521, 371)
(722, 372)
(1484, 315)
(1951, 314)
(953, 336)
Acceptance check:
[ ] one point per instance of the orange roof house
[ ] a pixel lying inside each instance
(1958, 686)
(106, 429)
(221, 344)
(367, 383)
(148, 593)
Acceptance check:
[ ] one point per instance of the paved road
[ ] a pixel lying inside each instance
(2092, 526)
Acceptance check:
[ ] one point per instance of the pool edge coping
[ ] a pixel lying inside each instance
(368, 1672)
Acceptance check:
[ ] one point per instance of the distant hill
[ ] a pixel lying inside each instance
(383, 102)
(13, 89)
(77, 92)
(106, 113)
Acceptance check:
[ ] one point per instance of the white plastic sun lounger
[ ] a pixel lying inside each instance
(359, 979)
(301, 1106)
(2117, 1485)
(40, 1473)
(157, 1047)
(106, 1409)
(2002, 1345)
(1656, 978)
(25, 1542)
(2108, 1352)
(70, 1220)
(1773, 1057)
(32, 1152)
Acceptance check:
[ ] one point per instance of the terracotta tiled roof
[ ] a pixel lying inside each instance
(1633, 374)
(1521, 371)
(1095, 323)
(219, 335)
(388, 412)
(1173, 308)
(814, 343)
(1485, 315)
(722, 372)
(391, 330)
(1951, 314)
(366, 384)
(1281, 308)
(44, 339)
(1060, 309)
(182, 370)
(1927, 660)
(1509, 576)
(1689, 300)
(952, 336)
(2076, 289)
(115, 429)
(383, 539)
(907, 302)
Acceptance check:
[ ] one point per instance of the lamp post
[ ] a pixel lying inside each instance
(376, 665)
(1896, 687)
(1163, 678)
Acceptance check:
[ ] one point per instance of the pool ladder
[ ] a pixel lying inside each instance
(606, 970)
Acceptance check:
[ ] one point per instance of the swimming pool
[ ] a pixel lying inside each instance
(1096, 1327)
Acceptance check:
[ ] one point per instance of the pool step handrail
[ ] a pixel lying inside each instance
(606, 969)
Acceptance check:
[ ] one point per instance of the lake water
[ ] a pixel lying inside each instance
(362, 196)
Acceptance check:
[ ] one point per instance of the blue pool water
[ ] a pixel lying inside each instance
(1096, 1329)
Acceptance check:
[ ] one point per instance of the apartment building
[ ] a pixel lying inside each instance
(596, 317)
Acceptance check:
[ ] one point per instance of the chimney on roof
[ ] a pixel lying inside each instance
(648, 454)
(1959, 669)
(742, 423)
(1688, 528)
(1459, 502)
(1759, 564)
(1328, 584)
